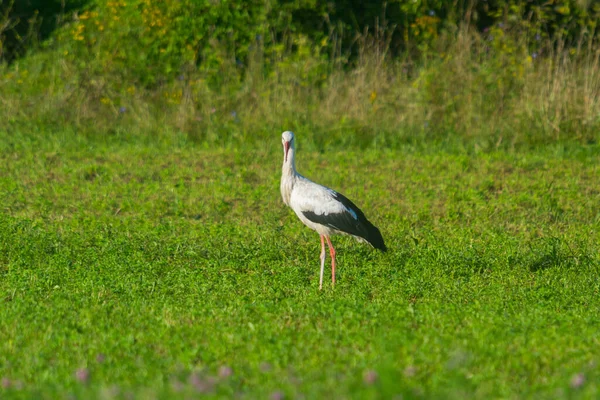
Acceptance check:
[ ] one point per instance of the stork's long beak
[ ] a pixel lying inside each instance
(286, 148)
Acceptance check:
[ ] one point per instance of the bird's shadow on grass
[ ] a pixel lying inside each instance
(553, 253)
(364, 271)
(390, 263)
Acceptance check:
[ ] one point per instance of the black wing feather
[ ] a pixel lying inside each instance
(345, 222)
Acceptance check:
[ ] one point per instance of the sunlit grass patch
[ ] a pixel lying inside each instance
(168, 270)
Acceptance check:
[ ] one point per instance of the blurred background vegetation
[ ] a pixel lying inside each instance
(497, 73)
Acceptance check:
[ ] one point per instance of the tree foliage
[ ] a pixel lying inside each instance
(154, 41)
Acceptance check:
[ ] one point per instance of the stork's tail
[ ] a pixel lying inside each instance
(374, 237)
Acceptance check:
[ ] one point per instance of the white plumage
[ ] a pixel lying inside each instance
(322, 209)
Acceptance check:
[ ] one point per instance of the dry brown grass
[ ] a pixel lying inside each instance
(474, 87)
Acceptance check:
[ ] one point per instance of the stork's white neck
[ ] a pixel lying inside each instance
(288, 175)
(289, 164)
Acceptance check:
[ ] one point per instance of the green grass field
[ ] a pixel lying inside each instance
(134, 268)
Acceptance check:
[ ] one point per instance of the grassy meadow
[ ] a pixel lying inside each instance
(168, 270)
(145, 252)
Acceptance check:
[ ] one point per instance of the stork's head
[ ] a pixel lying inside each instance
(287, 139)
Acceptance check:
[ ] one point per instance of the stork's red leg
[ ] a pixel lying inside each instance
(332, 254)
(322, 261)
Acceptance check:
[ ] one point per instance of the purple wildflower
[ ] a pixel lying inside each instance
(577, 381)
(370, 377)
(197, 382)
(277, 395)
(82, 375)
(225, 371)
(202, 385)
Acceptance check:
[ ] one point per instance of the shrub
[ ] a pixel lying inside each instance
(506, 74)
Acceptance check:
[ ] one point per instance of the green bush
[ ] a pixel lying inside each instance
(146, 42)
(510, 72)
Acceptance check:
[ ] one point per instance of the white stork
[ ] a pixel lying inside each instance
(322, 209)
